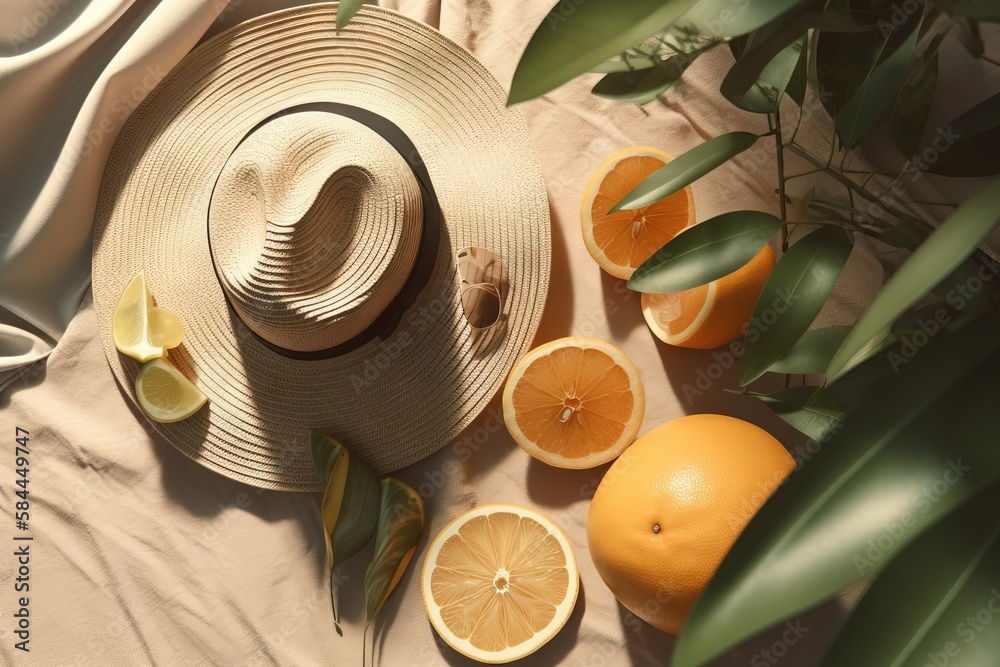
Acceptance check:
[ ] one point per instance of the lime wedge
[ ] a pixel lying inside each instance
(164, 394)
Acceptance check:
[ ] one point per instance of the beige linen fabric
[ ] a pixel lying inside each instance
(140, 556)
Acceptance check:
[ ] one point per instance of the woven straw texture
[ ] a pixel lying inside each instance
(190, 152)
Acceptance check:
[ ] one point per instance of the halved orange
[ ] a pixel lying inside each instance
(574, 402)
(709, 315)
(499, 582)
(622, 241)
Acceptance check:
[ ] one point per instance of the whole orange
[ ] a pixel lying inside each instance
(671, 507)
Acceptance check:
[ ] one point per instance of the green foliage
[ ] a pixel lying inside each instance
(812, 352)
(642, 85)
(957, 565)
(942, 252)
(792, 297)
(877, 90)
(758, 79)
(806, 408)
(400, 525)
(685, 169)
(346, 11)
(908, 396)
(977, 142)
(574, 38)
(929, 422)
(706, 252)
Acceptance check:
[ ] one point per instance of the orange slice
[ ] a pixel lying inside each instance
(621, 241)
(709, 315)
(499, 582)
(574, 402)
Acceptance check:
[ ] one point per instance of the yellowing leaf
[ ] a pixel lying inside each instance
(400, 524)
(350, 503)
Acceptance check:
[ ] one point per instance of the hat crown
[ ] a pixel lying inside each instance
(315, 225)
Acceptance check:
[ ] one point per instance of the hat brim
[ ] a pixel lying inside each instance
(391, 401)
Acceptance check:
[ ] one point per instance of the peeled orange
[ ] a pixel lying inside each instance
(709, 315)
(499, 582)
(574, 402)
(621, 241)
(669, 509)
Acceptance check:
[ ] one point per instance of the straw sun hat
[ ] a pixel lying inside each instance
(352, 228)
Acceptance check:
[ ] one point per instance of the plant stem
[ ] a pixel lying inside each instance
(364, 646)
(780, 151)
(837, 176)
(333, 603)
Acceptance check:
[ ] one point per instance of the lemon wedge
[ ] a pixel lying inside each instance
(164, 394)
(140, 329)
(165, 329)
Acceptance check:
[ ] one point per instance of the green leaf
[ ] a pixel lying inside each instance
(913, 105)
(685, 169)
(974, 139)
(400, 524)
(964, 289)
(830, 22)
(813, 536)
(970, 36)
(876, 92)
(792, 297)
(346, 10)
(642, 86)
(799, 81)
(937, 257)
(904, 234)
(811, 354)
(726, 18)
(350, 500)
(576, 37)
(979, 10)
(957, 565)
(807, 409)
(706, 252)
(759, 78)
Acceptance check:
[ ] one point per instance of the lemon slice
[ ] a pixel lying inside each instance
(164, 394)
(499, 582)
